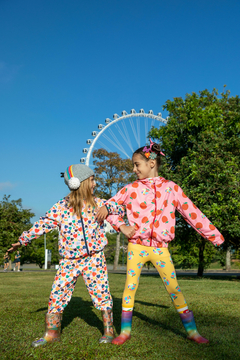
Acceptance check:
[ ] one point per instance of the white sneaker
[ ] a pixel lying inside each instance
(13, 269)
(18, 270)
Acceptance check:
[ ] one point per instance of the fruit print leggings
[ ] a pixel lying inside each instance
(94, 272)
(138, 255)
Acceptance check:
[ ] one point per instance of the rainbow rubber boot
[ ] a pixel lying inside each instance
(52, 330)
(190, 326)
(108, 336)
(126, 327)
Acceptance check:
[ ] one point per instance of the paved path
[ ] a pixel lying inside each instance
(152, 271)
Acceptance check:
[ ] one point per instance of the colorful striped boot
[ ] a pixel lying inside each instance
(190, 326)
(108, 336)
(126, 327)
(52, 330)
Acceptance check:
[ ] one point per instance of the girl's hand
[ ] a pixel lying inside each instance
(102, 213)
(128, 231)
(14, 247)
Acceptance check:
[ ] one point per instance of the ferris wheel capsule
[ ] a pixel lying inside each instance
(150, 112)
(124, 113)
(100, 126)
(141, 111)
(94, 133)
(133, 111)
(107, 121)
(82, 160)
(159, 114)
(89, 141)
(85, 150)
(115, 116)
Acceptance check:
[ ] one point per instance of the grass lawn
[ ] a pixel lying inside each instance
(157, 331)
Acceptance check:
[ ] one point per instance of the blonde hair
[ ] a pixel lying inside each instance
(81, 196)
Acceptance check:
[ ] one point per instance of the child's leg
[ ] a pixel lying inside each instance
(61, 293)
(95, 277)
(161, 259)
(64, 284)
(137, 256)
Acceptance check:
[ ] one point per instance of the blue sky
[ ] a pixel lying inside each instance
(65, 66)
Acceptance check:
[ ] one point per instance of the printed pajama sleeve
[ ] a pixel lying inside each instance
(42, 226)
(114, 208)
(117, 200)
(197, 219)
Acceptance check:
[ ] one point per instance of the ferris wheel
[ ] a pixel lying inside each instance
(123, 134)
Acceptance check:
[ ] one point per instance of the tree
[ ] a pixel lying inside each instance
(13, 221)
(202, 145)
(111, 174)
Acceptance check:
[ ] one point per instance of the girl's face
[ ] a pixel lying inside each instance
(92, 183)
(141, 167)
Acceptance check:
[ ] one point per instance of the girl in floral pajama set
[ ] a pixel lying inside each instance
(150, 204)
(81, 243)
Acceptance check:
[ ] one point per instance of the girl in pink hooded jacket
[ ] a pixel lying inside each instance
(150, 204)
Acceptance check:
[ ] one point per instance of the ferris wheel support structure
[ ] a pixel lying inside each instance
(117, 118)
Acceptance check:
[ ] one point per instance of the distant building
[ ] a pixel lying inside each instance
(108, 228)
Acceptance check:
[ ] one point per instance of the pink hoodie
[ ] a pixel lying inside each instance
(151, 205)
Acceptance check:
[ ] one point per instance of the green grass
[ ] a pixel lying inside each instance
(157, 331)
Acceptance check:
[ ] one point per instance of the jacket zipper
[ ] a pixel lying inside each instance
(84, 236)
(155, 214)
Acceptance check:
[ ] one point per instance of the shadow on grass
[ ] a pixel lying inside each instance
(166, 325)
(79, 308)
(117, 311)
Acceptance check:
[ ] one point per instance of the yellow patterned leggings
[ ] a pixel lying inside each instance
(138, 255)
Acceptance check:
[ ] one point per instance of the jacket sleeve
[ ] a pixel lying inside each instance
(196, 218)
(114, 208)
(118, 199)
(42, 226)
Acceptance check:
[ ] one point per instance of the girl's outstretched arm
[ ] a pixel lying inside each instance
(45, 224)
(196, 218)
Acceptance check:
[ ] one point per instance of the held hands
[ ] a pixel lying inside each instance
(128, 231)
(14, 247)
(102, 213)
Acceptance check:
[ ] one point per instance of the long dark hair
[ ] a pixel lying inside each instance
(155, 149)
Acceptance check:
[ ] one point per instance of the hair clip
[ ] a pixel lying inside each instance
(145, 149)
(152, 156)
